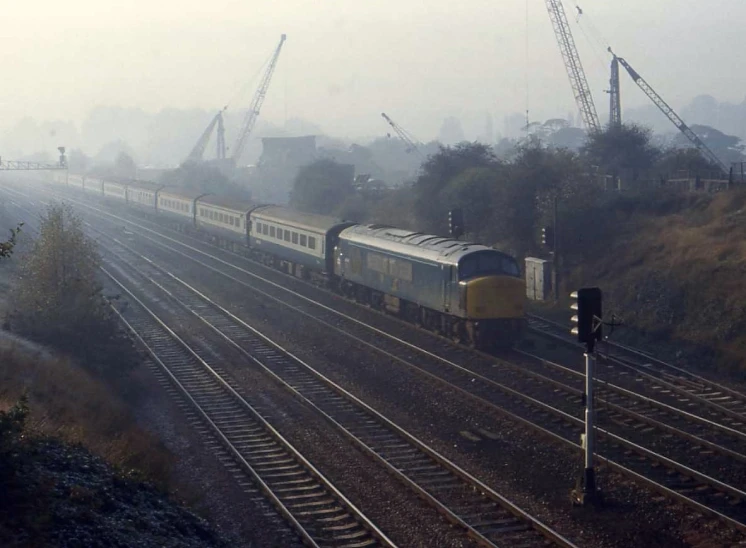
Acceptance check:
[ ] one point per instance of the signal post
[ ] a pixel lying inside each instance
(588, 320)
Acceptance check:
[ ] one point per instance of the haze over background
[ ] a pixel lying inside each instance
(346, 61)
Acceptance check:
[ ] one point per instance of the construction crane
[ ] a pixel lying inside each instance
(199, 148)
(615, 95)
(408, 139)
(256, 105)
(671, 115)
(574, 67)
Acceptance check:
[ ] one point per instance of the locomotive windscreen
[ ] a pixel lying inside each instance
(486, 263)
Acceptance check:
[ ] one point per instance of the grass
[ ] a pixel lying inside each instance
(677, 270)
(68, 403)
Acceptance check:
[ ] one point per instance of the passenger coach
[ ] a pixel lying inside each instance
(178, 203)
(226, 216)
(301, 242)
(143, 194)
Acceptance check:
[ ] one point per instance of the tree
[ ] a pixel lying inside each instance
(58, 300)
(620, 148)
(689, 160)
(438, 171)
(320, 187)
(473, 190)
(539, 176)
(125, 166)
(728, 148)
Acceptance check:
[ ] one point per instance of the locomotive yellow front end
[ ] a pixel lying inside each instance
(492, 299)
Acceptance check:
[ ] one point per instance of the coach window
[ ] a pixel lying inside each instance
(303, 240)
(287, 235)
(311, 242)
(272, 232)
(258, 228)
(295, 237)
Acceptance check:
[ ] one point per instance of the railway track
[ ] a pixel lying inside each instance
(310, 503)
(700, 491)
(484, 514)
(668, 382)
(663, 474)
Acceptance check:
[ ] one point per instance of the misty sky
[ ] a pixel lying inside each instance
(345, 61)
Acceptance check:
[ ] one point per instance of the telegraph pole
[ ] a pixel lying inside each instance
(588, 318)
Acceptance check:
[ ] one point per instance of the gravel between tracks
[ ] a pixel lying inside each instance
(437, 416)
(391, 506)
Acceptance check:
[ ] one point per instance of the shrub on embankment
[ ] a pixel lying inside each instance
(57, 298)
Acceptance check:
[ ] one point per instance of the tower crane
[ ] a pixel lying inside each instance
(615, 95)
(574, 67)
(199, 148)
(671, 115)
(256, 105)
(408, 139)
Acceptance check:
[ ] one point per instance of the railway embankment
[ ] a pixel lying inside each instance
(673, 268)
(75, 468)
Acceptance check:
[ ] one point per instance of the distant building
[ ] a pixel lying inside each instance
(288, 151)
(278, 166)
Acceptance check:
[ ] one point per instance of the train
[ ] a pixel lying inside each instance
(468, 292)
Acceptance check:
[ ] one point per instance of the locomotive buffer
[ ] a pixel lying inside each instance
(588, 318)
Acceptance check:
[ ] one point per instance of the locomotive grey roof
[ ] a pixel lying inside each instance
(413, 244)
(242, 206)
(308, 221)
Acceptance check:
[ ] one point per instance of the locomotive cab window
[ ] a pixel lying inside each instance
(487, 263)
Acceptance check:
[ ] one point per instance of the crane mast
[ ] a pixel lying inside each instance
(615, 95)
(220, 144)
(574, 67)
(199, 148)
(256, 104)
(403, 135)
(671, 115)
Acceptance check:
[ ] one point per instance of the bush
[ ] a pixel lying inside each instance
(57, 300)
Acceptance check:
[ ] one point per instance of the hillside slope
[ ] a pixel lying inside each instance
(675, 269)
